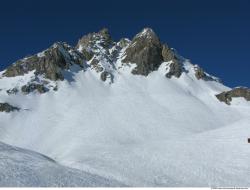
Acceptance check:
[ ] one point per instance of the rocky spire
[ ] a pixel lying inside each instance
(148, 33)
(146, 51)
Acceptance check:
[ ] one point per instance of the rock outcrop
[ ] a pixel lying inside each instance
(175, 67)
(49, 63)
(200, 74)
(234, 93)
(31, 87)
(5, 107)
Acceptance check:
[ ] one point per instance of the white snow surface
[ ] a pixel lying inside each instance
(141, 131)
(24, 168)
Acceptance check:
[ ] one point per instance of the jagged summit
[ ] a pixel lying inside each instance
(145, 51)
(101, 38)
(147, 33)
(105, 33)
(99, 53)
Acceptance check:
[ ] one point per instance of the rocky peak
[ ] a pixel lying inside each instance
(148, 33)
(105, 34)
(91, 41)
(101, 52)
(145, 51)
(148, 36)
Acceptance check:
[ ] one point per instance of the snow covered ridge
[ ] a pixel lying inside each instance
(98, 52)
(105, 57)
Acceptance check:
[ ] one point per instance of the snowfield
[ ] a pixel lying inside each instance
(141, 131)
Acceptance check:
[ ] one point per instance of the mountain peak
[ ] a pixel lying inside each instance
(146, 51)
(89, 41)
(147, 33)
(104, 32)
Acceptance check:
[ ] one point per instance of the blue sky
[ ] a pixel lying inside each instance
(213, 34)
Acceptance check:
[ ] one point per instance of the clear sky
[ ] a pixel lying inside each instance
(214, 34)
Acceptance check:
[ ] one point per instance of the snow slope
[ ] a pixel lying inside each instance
(143, 131)
(24, 168)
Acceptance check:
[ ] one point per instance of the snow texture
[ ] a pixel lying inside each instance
(24, 168)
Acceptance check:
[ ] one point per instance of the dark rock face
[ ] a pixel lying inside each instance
(95, 64)
(26, 89)
(50, 64)
(104, 75)
(168, 54)
(146, 51)
(87, 54)
(175, 68)
(5, 107)
(200, 74)
(234, 93)
(12, 91)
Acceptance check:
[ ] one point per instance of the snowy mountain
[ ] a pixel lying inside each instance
(132, 111)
